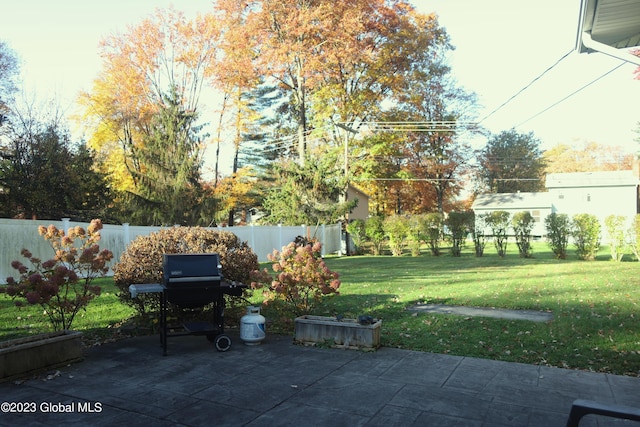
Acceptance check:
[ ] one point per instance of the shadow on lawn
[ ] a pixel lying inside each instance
(377, 305)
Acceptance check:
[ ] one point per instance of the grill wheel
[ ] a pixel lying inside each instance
(222, 341)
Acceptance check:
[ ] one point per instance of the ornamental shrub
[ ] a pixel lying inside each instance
(415, 233)
(558, 227)
(432, 224)
(396, 228)
(301, 279)
(458, 224)
(62, 285)
(356, 230)
(141, 262)
(374, 231)
(498, 221)
(585, 231)
(522, 224)
(477, 233)
(634, 236)
(615, 232)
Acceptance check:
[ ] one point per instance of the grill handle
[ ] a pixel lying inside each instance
(193, 279)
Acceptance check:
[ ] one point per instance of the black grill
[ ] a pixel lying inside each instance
(192, 281)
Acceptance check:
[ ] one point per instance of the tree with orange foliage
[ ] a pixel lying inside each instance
(436, 158)
(338, 59)
(426, 174)
(235, 75)
(237, 191)
(344, 62)
(591, 157)
(163, 55)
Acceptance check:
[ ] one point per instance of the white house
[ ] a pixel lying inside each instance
(597, 193)
(537, 204)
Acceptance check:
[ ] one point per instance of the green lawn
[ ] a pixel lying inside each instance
(596, 322)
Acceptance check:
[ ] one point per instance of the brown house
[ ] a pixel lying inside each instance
(362, 210)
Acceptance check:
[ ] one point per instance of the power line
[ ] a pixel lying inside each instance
(289, 140)
(526, 87)
(418, 126)
(438, 179)
(405, 179)
(571, 94)
(285, 140)
(288, 144)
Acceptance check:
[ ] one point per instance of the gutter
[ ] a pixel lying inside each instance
(624, 55)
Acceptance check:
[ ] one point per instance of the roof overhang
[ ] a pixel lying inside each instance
(611, 27)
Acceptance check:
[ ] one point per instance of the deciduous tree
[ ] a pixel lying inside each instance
(376, 166)
(439, 157)
(585, 231)
(8, 72)
(512, 162)
(498, 221)
(458, 224)
(558, 227)
(422, 91)
(290, 35)
(589, 157)
(44, 175)
(236, 192)
(163, 54)
(522, 224)
(235, 75)
(339, 59)
(387, 48)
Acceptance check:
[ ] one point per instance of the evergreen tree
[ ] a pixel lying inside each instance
(168, 187)
(307, 194)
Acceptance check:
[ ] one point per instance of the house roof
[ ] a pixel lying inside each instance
(592, 179)
(610, 27)
(508, 201)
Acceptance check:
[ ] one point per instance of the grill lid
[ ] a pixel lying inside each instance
(192, 268)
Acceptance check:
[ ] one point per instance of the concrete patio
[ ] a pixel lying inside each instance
(277, 383)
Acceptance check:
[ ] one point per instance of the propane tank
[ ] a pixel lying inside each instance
(252, 329)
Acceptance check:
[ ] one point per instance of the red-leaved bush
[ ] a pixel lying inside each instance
(62, 284)
(301, 278)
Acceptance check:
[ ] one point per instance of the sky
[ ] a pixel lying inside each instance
(501, 46)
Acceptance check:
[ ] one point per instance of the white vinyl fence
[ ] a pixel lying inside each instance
(16, 234)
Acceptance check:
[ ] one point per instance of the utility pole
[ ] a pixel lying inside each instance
(346, 148)
(346, 177)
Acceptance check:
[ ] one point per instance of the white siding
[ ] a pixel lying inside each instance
(597, 193)
(598, 201)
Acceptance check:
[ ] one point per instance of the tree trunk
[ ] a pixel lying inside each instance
(302, 117)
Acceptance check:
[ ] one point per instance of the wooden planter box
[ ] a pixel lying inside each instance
(25, 356)
(345, 333)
